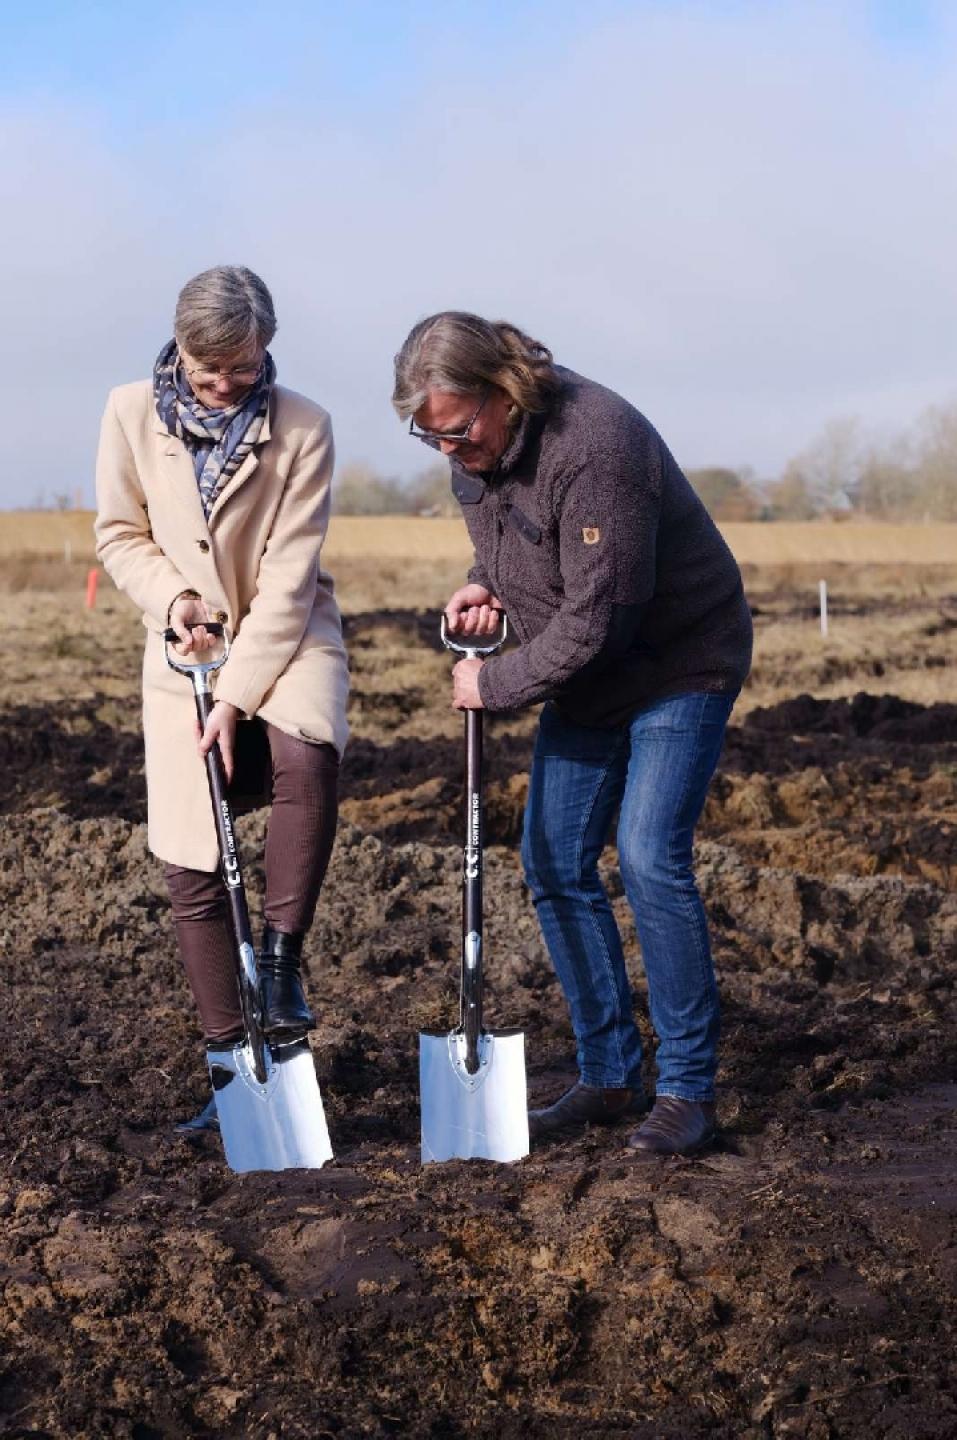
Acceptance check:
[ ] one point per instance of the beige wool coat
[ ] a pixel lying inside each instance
(256, 564)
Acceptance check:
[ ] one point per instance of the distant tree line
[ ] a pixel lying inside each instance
(911, 476)
(359, 490)
(840, 475)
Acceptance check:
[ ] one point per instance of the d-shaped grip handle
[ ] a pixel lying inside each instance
(469, 647)
(183, 666)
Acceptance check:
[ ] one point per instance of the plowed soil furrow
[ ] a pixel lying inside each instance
(796, 1281)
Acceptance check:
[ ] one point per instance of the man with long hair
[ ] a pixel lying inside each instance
(633, 628)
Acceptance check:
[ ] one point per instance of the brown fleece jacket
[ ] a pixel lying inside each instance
(617, 583)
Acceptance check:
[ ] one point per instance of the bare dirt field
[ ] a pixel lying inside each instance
(797, 1281)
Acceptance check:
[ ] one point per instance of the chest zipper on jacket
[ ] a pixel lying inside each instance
(499, 531)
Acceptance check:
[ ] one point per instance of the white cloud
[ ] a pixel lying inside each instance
(741, 221)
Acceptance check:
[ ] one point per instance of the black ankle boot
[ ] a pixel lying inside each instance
(285, 1012)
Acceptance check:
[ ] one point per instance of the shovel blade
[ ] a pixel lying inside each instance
(278, 1125)
(473, 1116)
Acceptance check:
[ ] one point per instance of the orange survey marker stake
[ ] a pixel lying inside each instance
(92, 580)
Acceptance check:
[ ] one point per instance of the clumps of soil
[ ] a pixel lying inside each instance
(74, 756)
(796, 1281)
(877, 717)
(859, 787)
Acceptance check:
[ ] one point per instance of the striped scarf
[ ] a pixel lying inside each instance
(217, 440)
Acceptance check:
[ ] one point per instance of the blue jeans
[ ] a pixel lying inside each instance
(657, 768)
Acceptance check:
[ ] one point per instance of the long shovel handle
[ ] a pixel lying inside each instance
(247, 974)
(472, 957)
(470, 1019)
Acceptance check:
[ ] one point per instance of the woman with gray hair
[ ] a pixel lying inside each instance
(633, 628)
(212, 505)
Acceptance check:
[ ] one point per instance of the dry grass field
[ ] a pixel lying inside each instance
(30, 534)
(798, 1281)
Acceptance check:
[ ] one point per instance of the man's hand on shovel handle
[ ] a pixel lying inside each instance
(465, 685)
(473, 610)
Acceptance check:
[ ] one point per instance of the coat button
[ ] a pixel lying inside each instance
(222, 616)
(203, 545)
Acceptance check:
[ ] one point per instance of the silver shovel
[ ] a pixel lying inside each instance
(267, 1096)
(471, 1080)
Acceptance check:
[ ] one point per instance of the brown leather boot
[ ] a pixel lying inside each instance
(675, 1127)
(584, 1105)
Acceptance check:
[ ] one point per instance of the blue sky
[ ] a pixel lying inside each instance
(364, 45)
(738, 214)
(141, 63)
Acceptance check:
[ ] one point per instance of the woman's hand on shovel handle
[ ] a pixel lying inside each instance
(186, 610)
(465, 685)
(220, 726)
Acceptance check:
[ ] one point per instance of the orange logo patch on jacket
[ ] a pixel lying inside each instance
(591, 534)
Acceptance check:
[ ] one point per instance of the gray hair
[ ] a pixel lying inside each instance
(223, 310)
(464, 354)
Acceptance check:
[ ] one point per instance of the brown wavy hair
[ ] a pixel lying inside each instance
(462, 353)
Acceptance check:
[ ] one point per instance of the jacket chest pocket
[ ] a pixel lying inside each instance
(516, 519)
